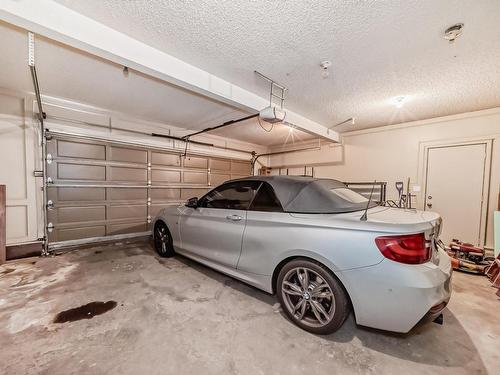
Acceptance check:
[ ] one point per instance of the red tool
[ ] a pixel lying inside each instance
(467, 257)
(493, 273)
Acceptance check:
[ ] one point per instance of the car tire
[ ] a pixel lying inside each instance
(312, 297)
(162, 240)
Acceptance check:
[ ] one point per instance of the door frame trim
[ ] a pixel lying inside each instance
(424, 148)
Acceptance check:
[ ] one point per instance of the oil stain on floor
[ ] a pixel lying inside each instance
(87, 311)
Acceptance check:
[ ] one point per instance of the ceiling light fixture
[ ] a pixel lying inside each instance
(453, 32)
(399, 101)
(325, 65)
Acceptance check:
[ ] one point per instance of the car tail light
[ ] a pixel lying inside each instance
(408, 248)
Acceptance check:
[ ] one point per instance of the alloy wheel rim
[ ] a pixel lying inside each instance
(308, 297)
(161, 238)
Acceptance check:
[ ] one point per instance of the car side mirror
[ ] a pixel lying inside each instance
(192, 202)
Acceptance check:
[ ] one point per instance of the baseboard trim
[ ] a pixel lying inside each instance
(24, 250)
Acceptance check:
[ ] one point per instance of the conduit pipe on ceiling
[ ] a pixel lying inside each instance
(317, 164)
(257, 156)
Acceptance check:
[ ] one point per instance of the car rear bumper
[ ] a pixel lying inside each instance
(434, 314)
(395, 297)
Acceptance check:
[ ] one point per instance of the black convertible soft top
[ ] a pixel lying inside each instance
(313, 195)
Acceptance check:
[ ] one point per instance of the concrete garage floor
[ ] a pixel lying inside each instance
(174, 316)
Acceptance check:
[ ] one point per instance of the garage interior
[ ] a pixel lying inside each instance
(111, 111)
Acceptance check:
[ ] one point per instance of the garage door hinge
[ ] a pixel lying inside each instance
(50, 227)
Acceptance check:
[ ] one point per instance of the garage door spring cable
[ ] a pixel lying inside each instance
(41, 116)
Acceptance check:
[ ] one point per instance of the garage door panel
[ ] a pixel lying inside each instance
(121, 194)
(217, 179)
(69, 171)
(195, 162)
(165, 194)
(128, 212)
(124, 228)
(127, 174)
(196, 178)
(128, 155)
(77, 214)
(69, 194)
(220, 165)
(119, 207)
(80, 150)
(163, 176)
(66, 234)
(159, 158)
(240, 167)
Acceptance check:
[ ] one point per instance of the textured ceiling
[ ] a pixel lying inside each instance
(67, 73)
(70, 74)
(379, 50)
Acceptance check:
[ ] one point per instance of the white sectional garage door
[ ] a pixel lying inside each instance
(101, 188)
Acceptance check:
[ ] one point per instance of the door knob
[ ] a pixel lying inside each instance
(234, 217)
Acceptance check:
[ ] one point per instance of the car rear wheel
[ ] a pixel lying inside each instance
(312, 297)
(163, 240)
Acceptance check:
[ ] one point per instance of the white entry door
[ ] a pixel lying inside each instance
(454, 189)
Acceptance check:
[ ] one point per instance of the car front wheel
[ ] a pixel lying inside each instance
(312, 297)
(163, 240)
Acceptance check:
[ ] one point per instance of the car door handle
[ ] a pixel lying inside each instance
(234, 217)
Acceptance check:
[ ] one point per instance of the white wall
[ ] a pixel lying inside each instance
(394, 153)
(17, 158)
(20, 153)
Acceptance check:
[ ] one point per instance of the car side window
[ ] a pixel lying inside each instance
(266, 200)
(232, 196)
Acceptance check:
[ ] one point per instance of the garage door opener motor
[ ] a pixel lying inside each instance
(273, 113)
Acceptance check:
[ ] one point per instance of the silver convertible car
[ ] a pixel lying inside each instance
(322, 248)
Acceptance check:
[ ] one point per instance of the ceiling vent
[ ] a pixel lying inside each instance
(453, 32)
(325, 65)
